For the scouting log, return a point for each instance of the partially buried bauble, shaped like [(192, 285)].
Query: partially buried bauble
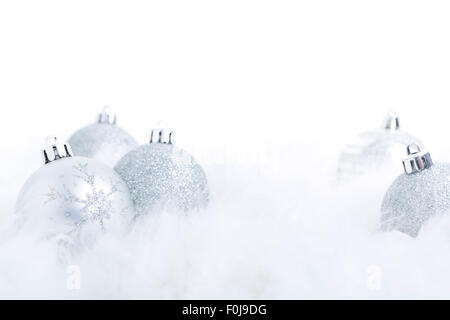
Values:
[(414, 197), (375, 150), (159, 174)]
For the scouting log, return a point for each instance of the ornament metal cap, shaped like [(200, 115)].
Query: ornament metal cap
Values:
[(418, 160), (161, 135), (391, 122), (55, 150), (107, 116)]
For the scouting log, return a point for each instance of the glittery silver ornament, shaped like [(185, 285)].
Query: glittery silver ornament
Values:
[(375, 149), (104, 140), (70, 194), (421, 192), (161, 174)]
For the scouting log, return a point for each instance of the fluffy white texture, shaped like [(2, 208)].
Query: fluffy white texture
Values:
[(288, 233)]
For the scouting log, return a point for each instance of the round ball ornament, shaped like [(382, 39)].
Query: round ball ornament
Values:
[(160, 174), (71, 194), (420, 193), (103, 140), (377, 149)]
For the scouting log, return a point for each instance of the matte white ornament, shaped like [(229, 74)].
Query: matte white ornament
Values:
[(70, 193)]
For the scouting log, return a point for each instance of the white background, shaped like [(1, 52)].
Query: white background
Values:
[(228, 76), (222, 72)]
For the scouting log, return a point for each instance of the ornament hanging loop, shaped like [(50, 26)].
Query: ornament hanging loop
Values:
[(417, 161), (107, 116), (55, 150)]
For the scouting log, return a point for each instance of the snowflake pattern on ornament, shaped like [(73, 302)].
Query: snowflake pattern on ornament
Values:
[(96, 205)]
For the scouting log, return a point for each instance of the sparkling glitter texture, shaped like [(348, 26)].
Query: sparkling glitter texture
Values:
[(102, 141), (162, 174), (412, 199), (376, 149), (71, 194)]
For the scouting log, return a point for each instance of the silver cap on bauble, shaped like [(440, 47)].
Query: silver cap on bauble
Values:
[(417, 160), (162, 135), (391, 122), (55, 150), (107, 116)]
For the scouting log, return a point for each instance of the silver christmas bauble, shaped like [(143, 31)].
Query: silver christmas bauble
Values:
[(160, 174), (375, 149), (103, 141), (420, 193), (70, 194)]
